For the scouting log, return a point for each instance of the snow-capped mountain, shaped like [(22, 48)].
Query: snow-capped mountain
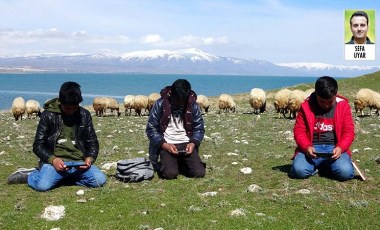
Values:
[(328, 69), (179, 55), (186, 61), (323, 66)]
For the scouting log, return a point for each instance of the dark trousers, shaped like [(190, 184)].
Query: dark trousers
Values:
[(189, 165)]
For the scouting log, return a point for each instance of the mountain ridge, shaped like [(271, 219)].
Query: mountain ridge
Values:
[(184, 61)]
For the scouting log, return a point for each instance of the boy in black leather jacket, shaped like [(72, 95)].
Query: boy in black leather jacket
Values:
[(175, 129), (65, 143)]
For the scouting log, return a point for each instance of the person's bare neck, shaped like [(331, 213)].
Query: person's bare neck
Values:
[(360, 40)]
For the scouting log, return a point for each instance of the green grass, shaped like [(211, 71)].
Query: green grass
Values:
[(179, 204)]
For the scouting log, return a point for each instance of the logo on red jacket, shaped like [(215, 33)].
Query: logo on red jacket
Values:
[(325, 126)]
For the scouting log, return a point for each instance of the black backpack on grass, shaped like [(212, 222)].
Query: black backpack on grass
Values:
[(134, 170)]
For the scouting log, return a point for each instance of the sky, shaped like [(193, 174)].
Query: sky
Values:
[(277, 31)]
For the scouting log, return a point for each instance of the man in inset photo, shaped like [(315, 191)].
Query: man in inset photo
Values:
[(359, 28)]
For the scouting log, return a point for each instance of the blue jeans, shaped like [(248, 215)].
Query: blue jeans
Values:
[(341, 168), (47, 177)]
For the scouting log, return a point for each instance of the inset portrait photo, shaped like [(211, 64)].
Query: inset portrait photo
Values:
[(360, 26), (359, 36)]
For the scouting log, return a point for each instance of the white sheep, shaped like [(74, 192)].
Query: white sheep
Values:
[(367, 98), (33, 106), (296, 98), (18, 108), (257, 100), (128, 104), (203, 102), (226, 103), (281, 100), (140, 103), (152, 98)]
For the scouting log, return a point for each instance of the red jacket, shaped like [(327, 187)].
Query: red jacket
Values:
[(343, 122)]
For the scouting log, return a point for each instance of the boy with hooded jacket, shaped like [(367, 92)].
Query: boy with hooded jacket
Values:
[(324, 131), (65, 136)]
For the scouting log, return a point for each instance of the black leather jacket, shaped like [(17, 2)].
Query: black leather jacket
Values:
[(154, 127), (48, 131)]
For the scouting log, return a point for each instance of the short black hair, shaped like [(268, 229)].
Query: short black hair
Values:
[(326, 87), (359, 14), (181, 89), (70, 93)]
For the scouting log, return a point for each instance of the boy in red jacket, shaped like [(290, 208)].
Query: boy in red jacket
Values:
[(324, 131)]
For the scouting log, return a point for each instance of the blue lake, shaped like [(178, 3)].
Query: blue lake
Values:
[(42, 87)]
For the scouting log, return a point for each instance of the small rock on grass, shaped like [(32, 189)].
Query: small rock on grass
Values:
[(108, 166), (246, 170), (53, 213), (206, 156), (303, 191), (254, 188), (238, 212), (209, 193)]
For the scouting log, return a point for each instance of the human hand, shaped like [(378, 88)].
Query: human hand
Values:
[(310, 152), (190, 148), (337, 151), (58, 164), (170, 148), (88, 163)]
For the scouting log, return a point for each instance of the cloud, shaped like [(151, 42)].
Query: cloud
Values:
[(156, 40), (195, 41), (53, 40), (151, 38), (11, 36), (55, 36)]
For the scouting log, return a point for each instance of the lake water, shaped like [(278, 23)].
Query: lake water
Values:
[(42, 87)]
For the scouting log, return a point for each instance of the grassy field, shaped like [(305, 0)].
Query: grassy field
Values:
[(233, 141)]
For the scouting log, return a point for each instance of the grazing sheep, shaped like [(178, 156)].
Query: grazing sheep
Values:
[(18, 108), (99, 105), (226, 103), (367, 98), (203, 102), (128, 104), (296, 98), (376, 103), (257, 100), (152, 98), (33, 106), (281, 100), (141, 102), (112, 104)]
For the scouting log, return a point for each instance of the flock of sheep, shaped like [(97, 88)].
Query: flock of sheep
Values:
[(285, 101), (19, 108), (141, 104)]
